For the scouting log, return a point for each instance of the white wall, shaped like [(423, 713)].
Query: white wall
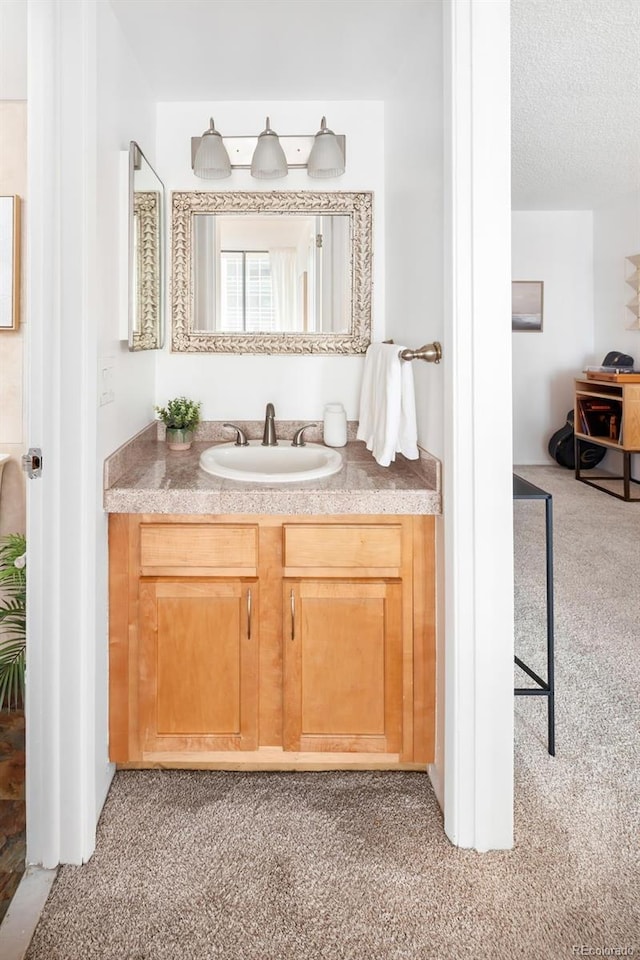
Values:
[(414, 310), (414, 205), (616, 235), (240, 386), (478, 495), (13, 50), (556, 247), (126, 112)]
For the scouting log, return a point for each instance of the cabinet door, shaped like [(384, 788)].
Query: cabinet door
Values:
[(198, 686), (343, 666)]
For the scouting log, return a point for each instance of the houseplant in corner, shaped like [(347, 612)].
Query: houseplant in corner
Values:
[(13, 619), (180, 416)]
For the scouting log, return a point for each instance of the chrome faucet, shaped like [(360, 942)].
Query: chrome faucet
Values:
[(298, 437), (269, 438), (241, 437)]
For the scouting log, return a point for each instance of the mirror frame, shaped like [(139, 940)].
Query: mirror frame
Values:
[(357, 206), (148, 207)]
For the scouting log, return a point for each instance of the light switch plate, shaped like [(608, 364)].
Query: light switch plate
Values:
[(106, 388)]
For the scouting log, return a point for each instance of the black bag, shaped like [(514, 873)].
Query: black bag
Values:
[(620, 360), (562, 448)]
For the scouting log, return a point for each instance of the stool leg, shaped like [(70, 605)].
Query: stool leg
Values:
[(626, 475), (551, 721), (550, 627)]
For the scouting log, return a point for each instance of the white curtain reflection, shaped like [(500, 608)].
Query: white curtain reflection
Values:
[(283, 281), (204, 273), (333, 298)]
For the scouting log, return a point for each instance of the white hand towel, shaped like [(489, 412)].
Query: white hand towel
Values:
[(387, 405)]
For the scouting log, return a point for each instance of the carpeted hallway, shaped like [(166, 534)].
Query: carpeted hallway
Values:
[(261, 866)]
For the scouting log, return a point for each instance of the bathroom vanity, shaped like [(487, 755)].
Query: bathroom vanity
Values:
[(278, 628)]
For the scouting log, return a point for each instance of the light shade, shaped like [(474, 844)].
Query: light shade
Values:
[(268, 161), (211, 161), (326, 158)]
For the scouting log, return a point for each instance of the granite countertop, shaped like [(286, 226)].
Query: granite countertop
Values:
[(144, 476)]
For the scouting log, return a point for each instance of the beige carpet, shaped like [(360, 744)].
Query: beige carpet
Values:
[(355, 865)]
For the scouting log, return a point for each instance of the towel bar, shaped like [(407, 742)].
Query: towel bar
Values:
[(431, 352)]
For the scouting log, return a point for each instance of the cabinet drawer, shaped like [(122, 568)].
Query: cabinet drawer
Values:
[(358, 549), (195, 549)]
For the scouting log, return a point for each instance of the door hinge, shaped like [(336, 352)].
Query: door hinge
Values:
[(32, 462), (318, 240)]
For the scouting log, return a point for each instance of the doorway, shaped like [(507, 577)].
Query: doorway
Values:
[(13, 181)]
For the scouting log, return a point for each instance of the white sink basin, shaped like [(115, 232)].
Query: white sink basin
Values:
[(281, 464)]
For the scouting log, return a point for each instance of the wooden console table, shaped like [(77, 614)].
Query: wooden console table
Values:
[(607, 413)]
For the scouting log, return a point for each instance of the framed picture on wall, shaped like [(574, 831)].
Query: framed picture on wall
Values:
[(9, 263), (526, 305)]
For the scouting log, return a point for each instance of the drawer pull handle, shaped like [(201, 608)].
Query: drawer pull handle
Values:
[(248, 614), (293, 616)]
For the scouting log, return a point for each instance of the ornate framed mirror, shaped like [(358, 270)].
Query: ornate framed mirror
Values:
[(271, 272), (146, 253)]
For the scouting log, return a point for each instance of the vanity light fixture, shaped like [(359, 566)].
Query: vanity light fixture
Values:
[(268, 161), (211, 161), (326, 158), (268, 157)]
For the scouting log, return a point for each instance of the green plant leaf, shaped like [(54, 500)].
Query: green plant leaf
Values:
[(180, 413), (12, 671), (13, 619)]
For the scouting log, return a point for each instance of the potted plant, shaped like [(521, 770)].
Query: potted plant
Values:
[(180, 416), (13, 619)]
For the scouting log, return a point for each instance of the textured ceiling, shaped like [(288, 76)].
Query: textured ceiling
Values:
[(575, 102)]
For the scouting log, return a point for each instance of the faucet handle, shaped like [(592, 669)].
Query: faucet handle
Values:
[(298, 437), (241, 437)]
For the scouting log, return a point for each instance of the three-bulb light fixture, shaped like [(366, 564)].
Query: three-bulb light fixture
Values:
[(271, 157)]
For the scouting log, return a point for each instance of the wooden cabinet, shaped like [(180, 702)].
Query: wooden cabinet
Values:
[(272, 642), (607, 413), (343, 666), (198, 670)]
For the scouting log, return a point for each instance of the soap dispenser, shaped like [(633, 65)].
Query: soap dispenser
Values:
[(335, 425)]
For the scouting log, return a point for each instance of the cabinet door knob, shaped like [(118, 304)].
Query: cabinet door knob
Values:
[(293, 616), (249, 614)]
